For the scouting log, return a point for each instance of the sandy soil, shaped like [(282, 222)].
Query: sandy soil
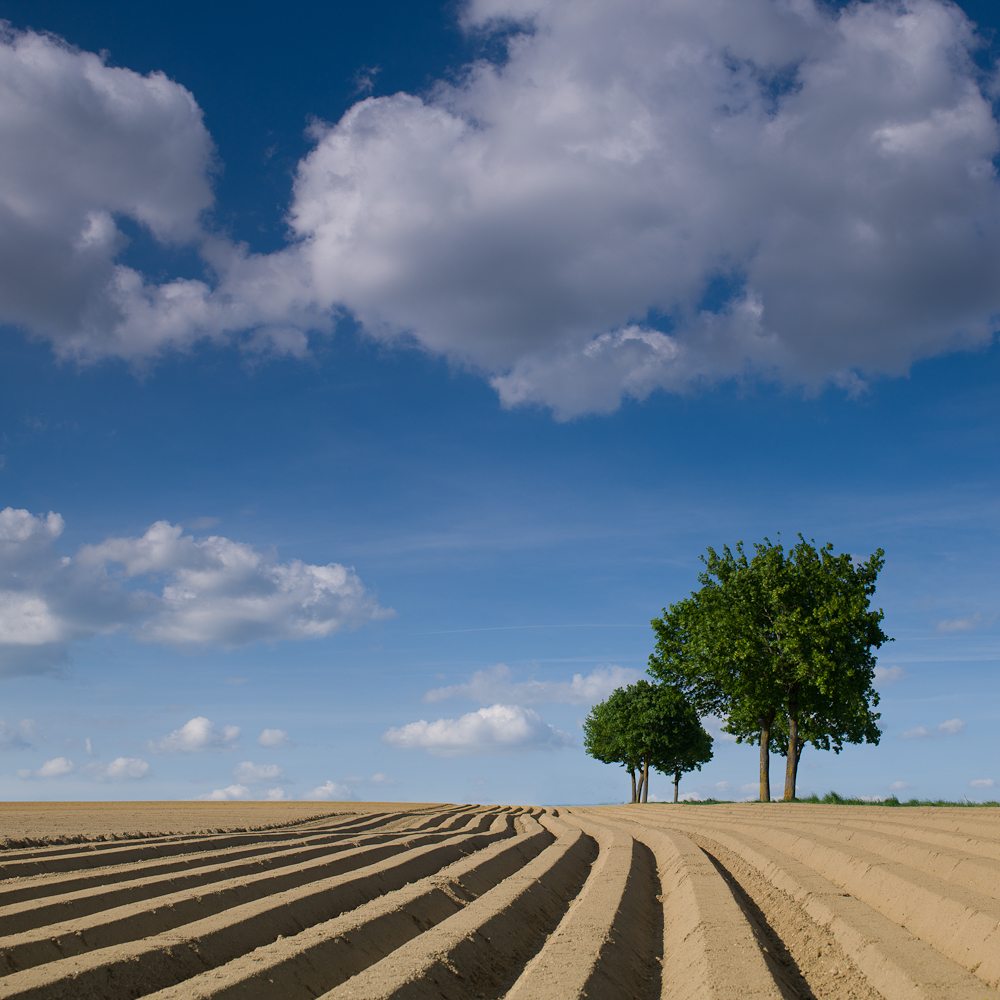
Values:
[(375, 900), (21, 821)]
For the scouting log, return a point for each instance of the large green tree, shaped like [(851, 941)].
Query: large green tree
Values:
[(780, 645), (647, 726)]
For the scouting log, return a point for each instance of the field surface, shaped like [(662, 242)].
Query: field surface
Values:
[(428, 901)]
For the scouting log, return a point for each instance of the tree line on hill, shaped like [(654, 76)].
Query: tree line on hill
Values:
[(779, 645)]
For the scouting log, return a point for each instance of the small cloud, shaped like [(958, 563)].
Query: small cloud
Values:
[(966, 624), (689, 797), (952, 727), (328, 790), (723, 786), (497, 729), (18, 736), (120, 769), (227, 794), (248, 773), (200, 523), (983, 783), (364, 79), (197, 735), (54, 768), (274, 739), (235, 680), (276, 795), (750, 788), (899, 786), (381, 779), (888, 675), (89, 747)]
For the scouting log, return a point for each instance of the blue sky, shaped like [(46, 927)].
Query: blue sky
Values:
[(372, 376)]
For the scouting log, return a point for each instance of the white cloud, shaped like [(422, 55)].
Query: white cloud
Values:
[(497, 729), (197, 735), (276, 795), (382, 779), (802, 191), (120, 769), (494, 685), (201, 591), (226, 794), (18, 736), (274, 739), (966, 624), (888, 675), (329, 790), (983, 783), (898, 786), (54, 768), (952, 727), (247, 773)]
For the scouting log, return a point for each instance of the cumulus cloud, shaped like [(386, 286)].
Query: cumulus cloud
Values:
[(276, 795), (382, 779), (497, 729), (983, 783), (227, 794), (642, 195), (899, 786), (952, 727), (55, 768), (274, 739), (248, 773), (887, 675), (201, 591), (329, 790), (196, 736), (495, 684), (120, 769)]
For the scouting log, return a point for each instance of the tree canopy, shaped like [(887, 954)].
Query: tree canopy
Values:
[(779, 645), (647, 725)]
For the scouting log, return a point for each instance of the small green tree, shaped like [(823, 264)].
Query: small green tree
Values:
[(648, 725), (780, 639)]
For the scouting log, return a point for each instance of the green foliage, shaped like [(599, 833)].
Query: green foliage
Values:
[(647, 725)]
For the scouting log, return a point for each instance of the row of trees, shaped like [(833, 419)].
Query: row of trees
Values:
[(647, 726), (779, 645)]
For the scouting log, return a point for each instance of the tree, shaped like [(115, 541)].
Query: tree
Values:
[(647, 725), (779, 640)]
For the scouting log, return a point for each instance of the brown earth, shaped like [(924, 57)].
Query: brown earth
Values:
[(409, 902), (58, 821)]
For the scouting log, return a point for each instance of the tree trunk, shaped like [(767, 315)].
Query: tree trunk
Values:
[(677, 781), (631, 774), (792, 764), (645, 779), (765, 722), (798, 758), (638, 794)]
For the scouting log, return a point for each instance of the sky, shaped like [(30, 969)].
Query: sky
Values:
[(373, 374)]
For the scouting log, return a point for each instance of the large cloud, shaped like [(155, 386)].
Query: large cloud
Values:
[(497, 729), (203, 591), (780, 186)]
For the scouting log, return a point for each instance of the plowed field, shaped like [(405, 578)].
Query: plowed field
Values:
[(622, 903)]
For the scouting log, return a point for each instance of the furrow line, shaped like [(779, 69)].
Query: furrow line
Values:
[(155, 916), (321, 957), (137, 967), (478, 950)]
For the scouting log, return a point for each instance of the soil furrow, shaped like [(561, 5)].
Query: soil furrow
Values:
[(162, 913), (896, 963), (607, 945), (479, 951), (323, 956), (135, 968)]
